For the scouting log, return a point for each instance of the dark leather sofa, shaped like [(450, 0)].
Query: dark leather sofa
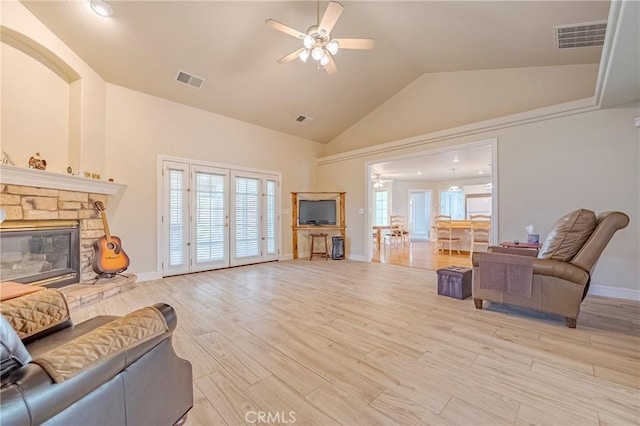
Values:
[(104, 371)]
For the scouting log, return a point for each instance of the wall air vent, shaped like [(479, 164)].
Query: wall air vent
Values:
[(303, 119), (189, 79), (581, 35)]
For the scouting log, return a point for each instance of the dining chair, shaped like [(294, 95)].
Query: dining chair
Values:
[(396, 233), (399, 229), (444, 234), (480, 231)]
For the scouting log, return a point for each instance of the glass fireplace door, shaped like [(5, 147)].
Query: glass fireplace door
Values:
[(39, 255)]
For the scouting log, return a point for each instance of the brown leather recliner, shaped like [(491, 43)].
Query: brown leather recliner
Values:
[(561, 272), (104, 371)]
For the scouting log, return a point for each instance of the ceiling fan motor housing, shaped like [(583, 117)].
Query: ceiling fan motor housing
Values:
[(320, 36)]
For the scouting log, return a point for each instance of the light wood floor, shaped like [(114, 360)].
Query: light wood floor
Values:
[(340, 342), (419, 254)]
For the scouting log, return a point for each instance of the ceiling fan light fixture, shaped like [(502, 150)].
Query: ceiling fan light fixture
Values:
[(304, 55), (333, 47), (101, 8), (308, 41), (376, 182), (317, 40), (317, 53)]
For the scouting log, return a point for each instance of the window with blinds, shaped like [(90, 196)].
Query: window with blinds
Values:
[(452, 204), (209, 217), (247, 217), (176, 219), (271, 217)]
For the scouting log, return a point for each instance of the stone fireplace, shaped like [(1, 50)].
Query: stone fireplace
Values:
[(42, 202)]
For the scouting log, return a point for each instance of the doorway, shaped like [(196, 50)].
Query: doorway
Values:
[(419, 214), (423, 185), (216, 217)]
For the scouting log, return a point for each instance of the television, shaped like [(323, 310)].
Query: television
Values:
[(317, 212)]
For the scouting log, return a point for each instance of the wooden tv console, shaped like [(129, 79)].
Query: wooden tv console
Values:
[(295, 196)]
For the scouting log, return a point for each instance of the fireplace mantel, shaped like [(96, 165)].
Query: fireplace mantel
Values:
[(13, 175)]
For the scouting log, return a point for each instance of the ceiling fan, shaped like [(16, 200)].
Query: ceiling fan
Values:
[(317, 41)]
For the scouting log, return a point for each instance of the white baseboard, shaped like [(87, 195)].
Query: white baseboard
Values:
[(148, 276), (614, 292)]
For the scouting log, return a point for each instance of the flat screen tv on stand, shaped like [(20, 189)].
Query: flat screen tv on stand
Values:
[(317, 212)]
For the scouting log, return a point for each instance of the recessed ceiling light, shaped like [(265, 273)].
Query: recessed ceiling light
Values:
[(419, 173), (456, 159), (101, 8), (481, 172)]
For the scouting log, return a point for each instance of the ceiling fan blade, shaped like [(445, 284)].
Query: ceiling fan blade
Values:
[(330, 68), (330, 17), (355, 43), (285, 29), (290, 57)]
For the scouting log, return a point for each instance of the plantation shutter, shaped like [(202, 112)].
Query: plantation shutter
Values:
[(210, 240), (176, 218), (247, 217), (271, 218)]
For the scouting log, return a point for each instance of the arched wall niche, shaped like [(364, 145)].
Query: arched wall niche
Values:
[(40, 104)]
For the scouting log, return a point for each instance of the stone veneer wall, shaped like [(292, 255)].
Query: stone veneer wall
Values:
[(26, 203)]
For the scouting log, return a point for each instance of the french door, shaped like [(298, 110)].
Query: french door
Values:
[(254, 219), (217, 217)]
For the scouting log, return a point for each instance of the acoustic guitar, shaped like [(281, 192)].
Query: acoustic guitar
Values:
[(110, 258)]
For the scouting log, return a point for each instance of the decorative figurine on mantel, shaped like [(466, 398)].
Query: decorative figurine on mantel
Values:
[(6, 159), (35, 162)]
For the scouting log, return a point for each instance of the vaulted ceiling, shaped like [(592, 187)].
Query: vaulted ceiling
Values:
[(145, 44)]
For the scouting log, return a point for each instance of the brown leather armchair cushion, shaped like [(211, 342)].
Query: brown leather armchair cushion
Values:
[(568, 235)]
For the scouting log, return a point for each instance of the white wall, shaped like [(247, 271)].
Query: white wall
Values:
[(444, 100), (545, 169), (141, 127), (86, 130), (35, 111)]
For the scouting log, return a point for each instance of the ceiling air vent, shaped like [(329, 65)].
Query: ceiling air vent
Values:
[(581, 35), (189, 79), (303, 119)]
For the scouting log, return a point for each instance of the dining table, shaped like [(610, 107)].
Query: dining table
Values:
[(378, 229)]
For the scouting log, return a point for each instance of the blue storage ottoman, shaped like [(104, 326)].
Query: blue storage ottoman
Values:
[(454, 281)]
